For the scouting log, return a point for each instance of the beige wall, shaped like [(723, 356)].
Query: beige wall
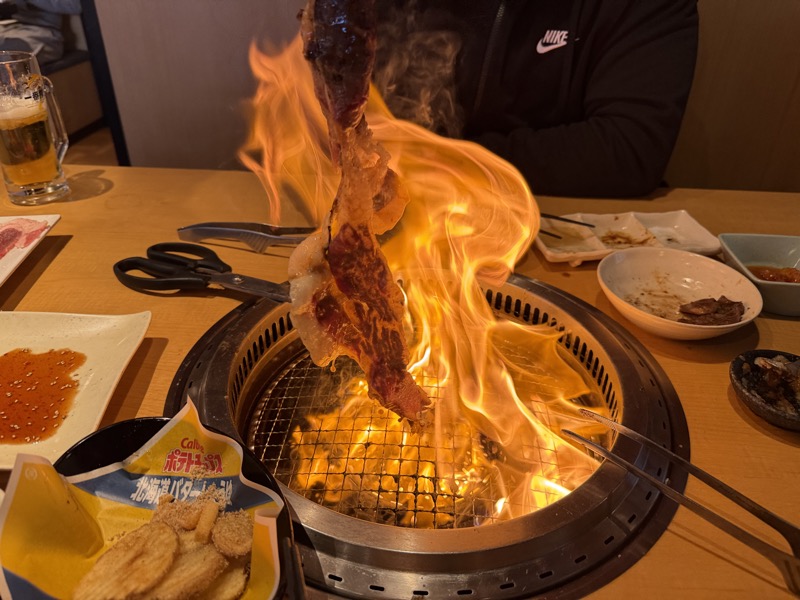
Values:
[(181, 75), (742, 125)]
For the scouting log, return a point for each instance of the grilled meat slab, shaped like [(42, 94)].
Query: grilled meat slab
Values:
[(712, 311), (344, 298), (339, 40)]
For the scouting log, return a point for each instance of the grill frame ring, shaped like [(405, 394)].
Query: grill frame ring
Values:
[(564, 550)]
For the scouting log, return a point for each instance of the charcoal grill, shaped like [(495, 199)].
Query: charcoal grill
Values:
[(251, 377)]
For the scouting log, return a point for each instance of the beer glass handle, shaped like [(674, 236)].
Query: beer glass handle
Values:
[(60, 139)]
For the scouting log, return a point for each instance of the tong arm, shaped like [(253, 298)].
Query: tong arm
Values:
[(787, 564), (258, 236), (789, 531)]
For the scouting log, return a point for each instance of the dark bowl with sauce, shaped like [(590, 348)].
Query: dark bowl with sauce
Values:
[(773, 396), (743, 251)]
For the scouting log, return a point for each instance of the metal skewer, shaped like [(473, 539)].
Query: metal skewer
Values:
[(788, 564)]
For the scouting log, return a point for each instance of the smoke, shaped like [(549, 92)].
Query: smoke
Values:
[(415, 71)]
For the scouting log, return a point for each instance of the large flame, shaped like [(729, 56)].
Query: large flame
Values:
[(504, 389)]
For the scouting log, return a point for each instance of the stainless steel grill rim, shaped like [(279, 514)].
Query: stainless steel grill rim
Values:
[(562, 550)]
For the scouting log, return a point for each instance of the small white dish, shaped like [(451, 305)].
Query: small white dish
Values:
[(648, 285), (618, 231), (678, 229), (743, 250), (15, 248), (107, 341), (674, 229)]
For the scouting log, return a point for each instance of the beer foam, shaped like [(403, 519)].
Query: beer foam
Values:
[(19, 108)]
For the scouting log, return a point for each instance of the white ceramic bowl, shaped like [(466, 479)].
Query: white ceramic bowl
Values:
[(751, 249), (648, 285)]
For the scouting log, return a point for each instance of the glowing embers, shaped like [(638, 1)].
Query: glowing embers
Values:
[(327, 441), (361, 461)]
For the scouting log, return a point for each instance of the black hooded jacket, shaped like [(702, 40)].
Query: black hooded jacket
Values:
[(584, 97)]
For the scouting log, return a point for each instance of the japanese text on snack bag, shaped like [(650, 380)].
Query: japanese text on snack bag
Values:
[(181, 461), (150, 489)]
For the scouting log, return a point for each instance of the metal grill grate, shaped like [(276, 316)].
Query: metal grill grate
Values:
[(367, 466)]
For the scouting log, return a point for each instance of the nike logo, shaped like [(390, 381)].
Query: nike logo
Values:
[(551, 40)]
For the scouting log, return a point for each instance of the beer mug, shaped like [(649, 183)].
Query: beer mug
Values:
[(33, 139)]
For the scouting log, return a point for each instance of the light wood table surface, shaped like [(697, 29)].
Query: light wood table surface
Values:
[(118, 212)]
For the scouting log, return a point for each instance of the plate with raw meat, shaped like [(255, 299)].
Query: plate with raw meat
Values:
[(18, 237)]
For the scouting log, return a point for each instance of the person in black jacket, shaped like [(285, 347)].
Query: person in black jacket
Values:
[(584, 97)]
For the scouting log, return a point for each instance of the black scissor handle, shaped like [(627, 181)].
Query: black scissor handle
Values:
[(189, 256), (164, 276)]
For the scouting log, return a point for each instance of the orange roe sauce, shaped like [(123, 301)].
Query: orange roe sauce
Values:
[(36, 393)]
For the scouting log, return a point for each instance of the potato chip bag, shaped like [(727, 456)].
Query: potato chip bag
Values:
[(54, 528)]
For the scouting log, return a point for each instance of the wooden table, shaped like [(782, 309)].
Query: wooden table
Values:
[(117, 212)]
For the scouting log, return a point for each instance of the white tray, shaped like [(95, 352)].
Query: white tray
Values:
[(108, 341), (675, 229), (25, 245)]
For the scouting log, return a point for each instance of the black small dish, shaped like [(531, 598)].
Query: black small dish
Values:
[(118, 441), (776, 404)]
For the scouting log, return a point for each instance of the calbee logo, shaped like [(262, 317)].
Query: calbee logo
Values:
[(552, 39)]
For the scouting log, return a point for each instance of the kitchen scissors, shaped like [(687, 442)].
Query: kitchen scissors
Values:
[(182, 266)]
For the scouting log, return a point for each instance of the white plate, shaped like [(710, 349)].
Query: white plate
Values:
[(648, 285), (676, 229), (12, 259), (108, 341)]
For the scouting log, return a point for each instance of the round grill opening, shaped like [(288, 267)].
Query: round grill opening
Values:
[(251, 377), (322, 437)]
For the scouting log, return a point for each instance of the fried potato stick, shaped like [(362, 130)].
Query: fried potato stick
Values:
[(209, 511)]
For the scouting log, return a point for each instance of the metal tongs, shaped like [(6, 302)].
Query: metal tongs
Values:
[(258, 236), (295, 580), (788, 564)]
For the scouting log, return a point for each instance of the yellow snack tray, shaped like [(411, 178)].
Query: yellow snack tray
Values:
[(54, 527)]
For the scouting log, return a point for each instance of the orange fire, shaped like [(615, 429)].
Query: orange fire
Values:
[(502, 390)]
